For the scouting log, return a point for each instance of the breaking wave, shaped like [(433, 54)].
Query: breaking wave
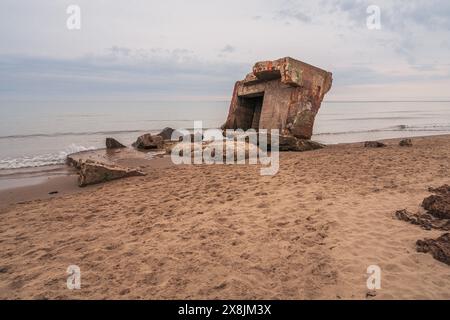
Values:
[(58, 134), (42, 159)]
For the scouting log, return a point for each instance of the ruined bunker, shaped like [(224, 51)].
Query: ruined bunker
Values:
[(284, 94)]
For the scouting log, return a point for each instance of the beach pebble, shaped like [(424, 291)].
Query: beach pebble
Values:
[(374, 144), (405, 143)]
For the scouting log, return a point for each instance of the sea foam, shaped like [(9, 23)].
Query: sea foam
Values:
[(42, 159)]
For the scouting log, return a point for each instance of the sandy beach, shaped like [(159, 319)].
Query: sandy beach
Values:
[(209, 232)]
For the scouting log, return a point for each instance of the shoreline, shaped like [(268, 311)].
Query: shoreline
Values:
[(35, 184), (60, 181)]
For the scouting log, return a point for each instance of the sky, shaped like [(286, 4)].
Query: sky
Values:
[(196, 50)]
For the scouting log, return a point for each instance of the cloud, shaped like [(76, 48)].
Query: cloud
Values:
[(201, 48), (293, 14), (118, 72), (228, 49)]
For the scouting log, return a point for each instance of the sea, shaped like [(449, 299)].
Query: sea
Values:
[(37, 134)]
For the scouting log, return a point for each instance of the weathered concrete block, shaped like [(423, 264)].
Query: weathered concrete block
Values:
[(284, 94), (92, 172)]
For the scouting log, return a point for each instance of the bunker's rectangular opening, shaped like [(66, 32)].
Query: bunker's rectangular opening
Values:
[(251, 110)]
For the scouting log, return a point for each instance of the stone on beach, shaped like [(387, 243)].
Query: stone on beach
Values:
[(439, 248), (424, 220), (284, 94), (240, 150), (112, 143), (148, 141), (166, 133), (437, 215), (92, 172), (290, 143), (405, 143), (438, 205), (236, 150), (374, 144)]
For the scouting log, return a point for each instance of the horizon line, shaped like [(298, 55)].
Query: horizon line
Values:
[(204, 100)]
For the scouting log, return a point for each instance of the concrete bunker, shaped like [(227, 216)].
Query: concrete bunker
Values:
[(283, 94)]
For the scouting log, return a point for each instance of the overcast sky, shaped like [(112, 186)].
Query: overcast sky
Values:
[(144, 49)]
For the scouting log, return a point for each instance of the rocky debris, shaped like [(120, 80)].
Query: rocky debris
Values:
[(211, 148), (92, 172), (437, 211), (436, 217), (439, 248), (424, 220), (405, 143), (112, 143), (290, 143), (250, 150), (148, 141), (166, 133), (445, 189), (283, 94), (438, 205), (73, 161), (374, 144)]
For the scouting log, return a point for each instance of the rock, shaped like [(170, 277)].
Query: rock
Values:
[(112, 143), (166, 133), (53, 192), (147, 141), (4, 269), (438, 205), (250, 150), (413, 218), (290, 143), (437, 215), (374, 144), (445, 189), (405, 143), (71, 161), (92, 172), (424, 220), (198, 149), (439, 248), (284, 94)]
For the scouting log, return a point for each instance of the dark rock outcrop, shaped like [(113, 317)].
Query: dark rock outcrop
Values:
[(166, 133), (374, 144), (438, 205), (437, 217), (445, 189), (437, 211), (92, 172), (439, 248), (424, 220), (405, 143), (112, 143), (290, 143), (148, 141)]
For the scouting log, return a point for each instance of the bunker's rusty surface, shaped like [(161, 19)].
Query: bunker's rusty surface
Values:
[(284, 94)]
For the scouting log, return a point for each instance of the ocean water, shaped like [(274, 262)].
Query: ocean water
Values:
[(35, 134)]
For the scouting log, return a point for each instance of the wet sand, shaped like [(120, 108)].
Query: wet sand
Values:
[(217, 231)]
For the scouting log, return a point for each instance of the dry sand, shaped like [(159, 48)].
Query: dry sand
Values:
[(206, 232)]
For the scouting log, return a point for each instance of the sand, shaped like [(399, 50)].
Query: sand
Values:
[(208, 232)]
